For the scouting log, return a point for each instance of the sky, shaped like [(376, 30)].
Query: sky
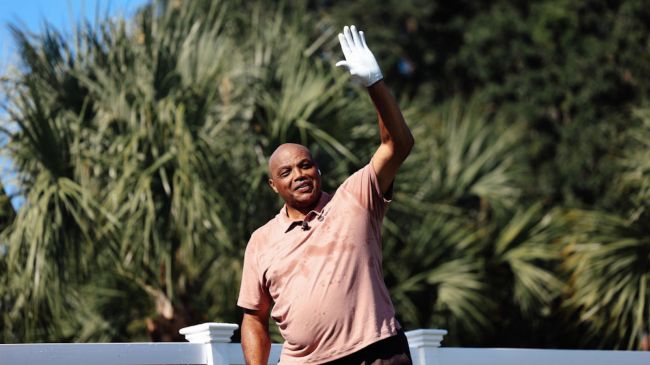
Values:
[(62, 14)]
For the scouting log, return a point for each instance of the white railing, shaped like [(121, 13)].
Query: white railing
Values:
[(209, 344)]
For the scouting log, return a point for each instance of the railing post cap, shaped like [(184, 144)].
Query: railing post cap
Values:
[(210, 332), (425, 337)]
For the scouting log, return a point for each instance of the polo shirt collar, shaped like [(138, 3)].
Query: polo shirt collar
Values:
[(288, 223)]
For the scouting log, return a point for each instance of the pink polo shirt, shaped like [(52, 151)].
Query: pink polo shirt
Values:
[(326, 281)]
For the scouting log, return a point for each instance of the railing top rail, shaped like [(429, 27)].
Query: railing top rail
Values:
[(103, 353), (508, 356), (210, 345)]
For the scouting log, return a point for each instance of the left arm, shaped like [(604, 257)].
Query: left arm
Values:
[(396, 138)]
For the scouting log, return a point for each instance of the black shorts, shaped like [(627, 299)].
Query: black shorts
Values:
[(389, 351)]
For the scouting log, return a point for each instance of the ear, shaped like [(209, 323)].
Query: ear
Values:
[(272, 185)]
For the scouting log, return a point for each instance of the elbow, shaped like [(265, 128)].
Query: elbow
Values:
[(410, 143), (408, 146), (402, 150), (399, 149)]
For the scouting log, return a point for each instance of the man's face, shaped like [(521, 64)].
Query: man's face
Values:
[(294, 175)]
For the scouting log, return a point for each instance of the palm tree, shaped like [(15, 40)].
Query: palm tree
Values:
[(608, 254), (455, 219), (142, 147), (608, 260), (142, 150)]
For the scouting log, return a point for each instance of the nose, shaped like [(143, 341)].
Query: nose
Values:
[(299, 173)]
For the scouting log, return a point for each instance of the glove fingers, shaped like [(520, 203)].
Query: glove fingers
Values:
[(345, 47), (363, 39), (348, 37), (355, 37)]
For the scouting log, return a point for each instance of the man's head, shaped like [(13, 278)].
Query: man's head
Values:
[(294, 175)]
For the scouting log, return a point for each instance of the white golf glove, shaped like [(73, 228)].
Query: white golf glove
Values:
[(358, 59)]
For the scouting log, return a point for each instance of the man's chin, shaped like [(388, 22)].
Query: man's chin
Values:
[(308, 200)]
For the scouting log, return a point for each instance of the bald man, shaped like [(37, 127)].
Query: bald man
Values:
[(316, 267)]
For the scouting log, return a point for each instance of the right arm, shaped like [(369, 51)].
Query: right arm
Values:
[(255, 339), (396, 138)]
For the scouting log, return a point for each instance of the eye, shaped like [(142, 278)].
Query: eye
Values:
[(284, 173)]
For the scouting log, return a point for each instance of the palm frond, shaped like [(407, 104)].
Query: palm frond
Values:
[(607, 259)]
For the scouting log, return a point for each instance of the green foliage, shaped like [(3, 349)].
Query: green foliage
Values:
[(570, 70), (635, 179), (607, 261), (609, 254), (141, 147), (142, 152), (465, 173)]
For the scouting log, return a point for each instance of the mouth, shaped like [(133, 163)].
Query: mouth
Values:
[(303, 187)]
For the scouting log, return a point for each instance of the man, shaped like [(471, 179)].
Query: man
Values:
[(318, 262)]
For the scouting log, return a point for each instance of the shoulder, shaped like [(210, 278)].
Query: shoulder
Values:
[(363, 179), (261, 235), (363, 187), (364, 173)]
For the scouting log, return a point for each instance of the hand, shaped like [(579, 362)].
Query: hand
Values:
[(358, 59)]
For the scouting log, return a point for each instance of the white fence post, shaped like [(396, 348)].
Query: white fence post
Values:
[(424, 346), (215, 338)]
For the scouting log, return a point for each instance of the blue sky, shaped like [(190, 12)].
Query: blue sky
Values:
[(62, 14)]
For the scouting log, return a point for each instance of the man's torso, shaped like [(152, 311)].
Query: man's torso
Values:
[(326, 281)]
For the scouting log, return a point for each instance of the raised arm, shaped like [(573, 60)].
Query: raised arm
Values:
[(255, 339), (396, 138)]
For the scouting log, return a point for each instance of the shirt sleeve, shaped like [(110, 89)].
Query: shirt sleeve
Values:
[(252, 293), (364, 186)]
